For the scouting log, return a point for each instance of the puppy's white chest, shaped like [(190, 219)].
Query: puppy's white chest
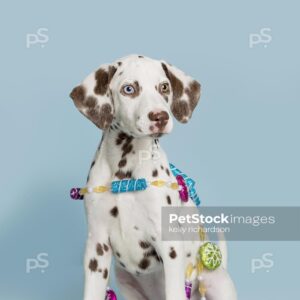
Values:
[(134, 233)]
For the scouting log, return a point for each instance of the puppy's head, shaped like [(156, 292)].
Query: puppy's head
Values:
[(139, 93)]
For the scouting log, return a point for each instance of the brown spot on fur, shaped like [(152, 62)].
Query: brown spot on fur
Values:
[(188, 254), (103, 79), (144, 244), (78, 94), (151, 253), (119, 63), (121, 137), (114, 211), (177, 85), (91, 102), (93, 265), (144, 263), (118, 254), (89, 107), (140, 56), (172, 253), (169, 200), (155, 173), (162, 167), (168, 172), (182, 109), (121, 175), (99, 249), (153, 238), (105, 116), (100, 270), (122, 163), (105, 273), (193, 92), (100, 116), (127, 147), (136, 228), (106, 248)]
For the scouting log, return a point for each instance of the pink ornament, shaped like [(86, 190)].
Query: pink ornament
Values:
[(183, 190), (75, 194), (188, 289), (110, 295)]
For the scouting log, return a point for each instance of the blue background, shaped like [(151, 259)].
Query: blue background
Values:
[(242, 145)]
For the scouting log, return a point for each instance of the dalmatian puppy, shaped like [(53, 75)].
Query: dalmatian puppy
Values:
[(132, 100)]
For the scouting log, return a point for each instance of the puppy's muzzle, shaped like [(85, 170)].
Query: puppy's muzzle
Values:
[(159, 120)]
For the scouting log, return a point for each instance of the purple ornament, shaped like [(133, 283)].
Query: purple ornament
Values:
[(110, 295), (75, 195), (188, 289), (183, 190)]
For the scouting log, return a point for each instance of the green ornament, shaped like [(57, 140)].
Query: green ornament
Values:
[(210, 255)]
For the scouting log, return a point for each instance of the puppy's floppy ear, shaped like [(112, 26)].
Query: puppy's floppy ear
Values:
[(186, 92), (93, 97)]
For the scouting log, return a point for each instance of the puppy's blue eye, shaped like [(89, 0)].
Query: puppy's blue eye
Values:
[(128, 89)]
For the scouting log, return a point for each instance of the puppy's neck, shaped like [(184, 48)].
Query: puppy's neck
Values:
[(120, 156)]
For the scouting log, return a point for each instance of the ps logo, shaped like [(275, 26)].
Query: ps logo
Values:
[(147, 155), (40, 262), (263, 37), (40, 37), (265, 262)]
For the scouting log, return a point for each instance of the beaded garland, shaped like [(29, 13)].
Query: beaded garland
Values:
[(184, 184), (209, 255), (189, 182)]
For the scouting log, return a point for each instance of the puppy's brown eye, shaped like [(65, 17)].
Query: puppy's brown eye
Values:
[(164, 88)]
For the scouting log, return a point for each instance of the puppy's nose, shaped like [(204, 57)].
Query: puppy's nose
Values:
[(160, 120), (161, 116)]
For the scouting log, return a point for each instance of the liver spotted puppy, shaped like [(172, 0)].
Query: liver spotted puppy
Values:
[(132, 100)]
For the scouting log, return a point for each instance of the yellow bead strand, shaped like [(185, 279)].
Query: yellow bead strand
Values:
[(100, 189), (158, 183), (189, 271)]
